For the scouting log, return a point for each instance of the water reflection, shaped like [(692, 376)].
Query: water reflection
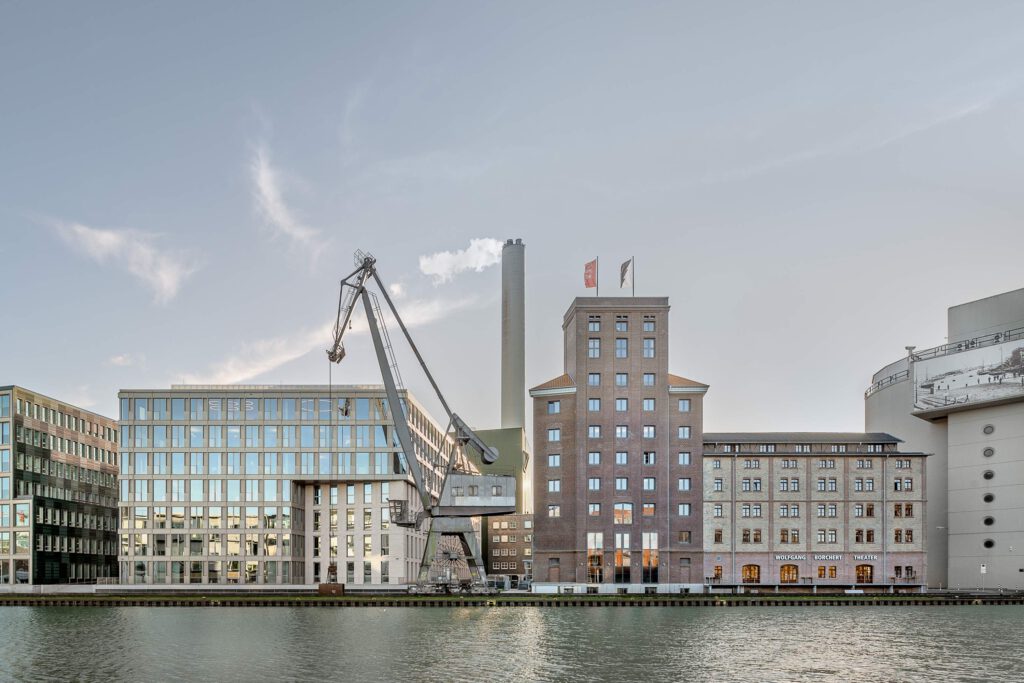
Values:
[(601, 644)]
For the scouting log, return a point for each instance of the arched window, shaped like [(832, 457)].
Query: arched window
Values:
[(789, 573), (751, 573), (865, 573)]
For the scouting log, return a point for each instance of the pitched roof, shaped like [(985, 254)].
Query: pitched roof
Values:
[(677, 381), (800, 437), (563, 381)]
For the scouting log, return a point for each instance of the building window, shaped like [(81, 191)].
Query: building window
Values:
[(684, 432), (684, 405), (838, 448), (554, 407), (621, 457), (648, 405), (554, 460), (594, 509), (649, 483), (623, 513), (621, 379), (684, 510), (554, 511), (718, 485), (685, 483), (554, 435), (594, 324), (593, 348), (621, 347), (647, 509), (648, 347), (684, 458), (649, 457), (594, 458), (594, 484), (766, 448), (648, 379), (594, 405), (718, 535), (594, 379), (594, 431), (621, 432), (621, 323), (621, 483), (716, 464), (648, 431), (717, 510)]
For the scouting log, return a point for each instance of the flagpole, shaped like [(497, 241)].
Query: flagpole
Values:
[(632, 266), (597, 276)]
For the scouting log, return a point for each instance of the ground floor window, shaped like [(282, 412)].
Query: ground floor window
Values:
[(751, 573), (827, 572), (789, 573), (865, 573)]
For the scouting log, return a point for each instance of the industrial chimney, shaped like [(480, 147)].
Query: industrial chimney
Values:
[(513, 335)]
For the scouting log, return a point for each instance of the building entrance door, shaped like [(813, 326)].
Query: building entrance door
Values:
[(865, 573)]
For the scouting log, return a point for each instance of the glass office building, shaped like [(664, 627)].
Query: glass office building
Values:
[(269, 485), (58, 491)]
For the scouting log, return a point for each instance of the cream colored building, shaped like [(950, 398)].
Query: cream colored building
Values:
[(813, 509)]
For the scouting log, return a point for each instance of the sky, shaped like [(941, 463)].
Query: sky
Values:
[(182, 185)]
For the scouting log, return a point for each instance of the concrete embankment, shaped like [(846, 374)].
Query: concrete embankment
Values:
[(272, 600)]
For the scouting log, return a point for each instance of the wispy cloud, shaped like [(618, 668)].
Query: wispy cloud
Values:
[(163, 271), (863, 142), (266, 355), (444, 265), (125, 360), (270, 203)]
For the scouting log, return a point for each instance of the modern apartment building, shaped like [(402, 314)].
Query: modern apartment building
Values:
[(813, 509), (508, 546), (617, 438), (268, 485), (58, 491), (963, 401)]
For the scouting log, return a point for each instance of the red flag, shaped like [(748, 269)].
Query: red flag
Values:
[(590, 274)]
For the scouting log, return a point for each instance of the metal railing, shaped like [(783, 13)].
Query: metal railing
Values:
[(945, 350)]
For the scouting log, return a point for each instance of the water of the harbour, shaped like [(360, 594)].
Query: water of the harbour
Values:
[(531, 644)]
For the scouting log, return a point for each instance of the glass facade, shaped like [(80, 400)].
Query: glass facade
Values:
[(58, 491), (265, 486)]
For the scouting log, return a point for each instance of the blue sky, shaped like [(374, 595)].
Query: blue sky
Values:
[(812, 184)]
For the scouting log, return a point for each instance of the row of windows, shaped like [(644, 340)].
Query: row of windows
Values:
[(622, 513), (512, 524), (57, 418), (231, 490), (826, 484), (621, 432), (621, 347), (214, 517), (861, 464), (622, 484), (34, 437), (621, 458), (255, 464), (513, 538), (198, 545), (621, 379), (822, 536), (796, 448), (621, 405), (621, 323), (253, 436), (51, 543), (253, 409), (56, 469), (383, 548), (46, 490), (510, 552), (350, 519)]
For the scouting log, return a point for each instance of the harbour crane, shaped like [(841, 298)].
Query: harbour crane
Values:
[(463, 494)]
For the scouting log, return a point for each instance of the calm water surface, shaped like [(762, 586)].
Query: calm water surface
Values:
[(556, 644)]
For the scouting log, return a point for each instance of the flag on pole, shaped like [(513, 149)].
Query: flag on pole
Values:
[(590, 274), (626, 274)]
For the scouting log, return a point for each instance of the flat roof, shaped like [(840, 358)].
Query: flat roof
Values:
[(800, 437)]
